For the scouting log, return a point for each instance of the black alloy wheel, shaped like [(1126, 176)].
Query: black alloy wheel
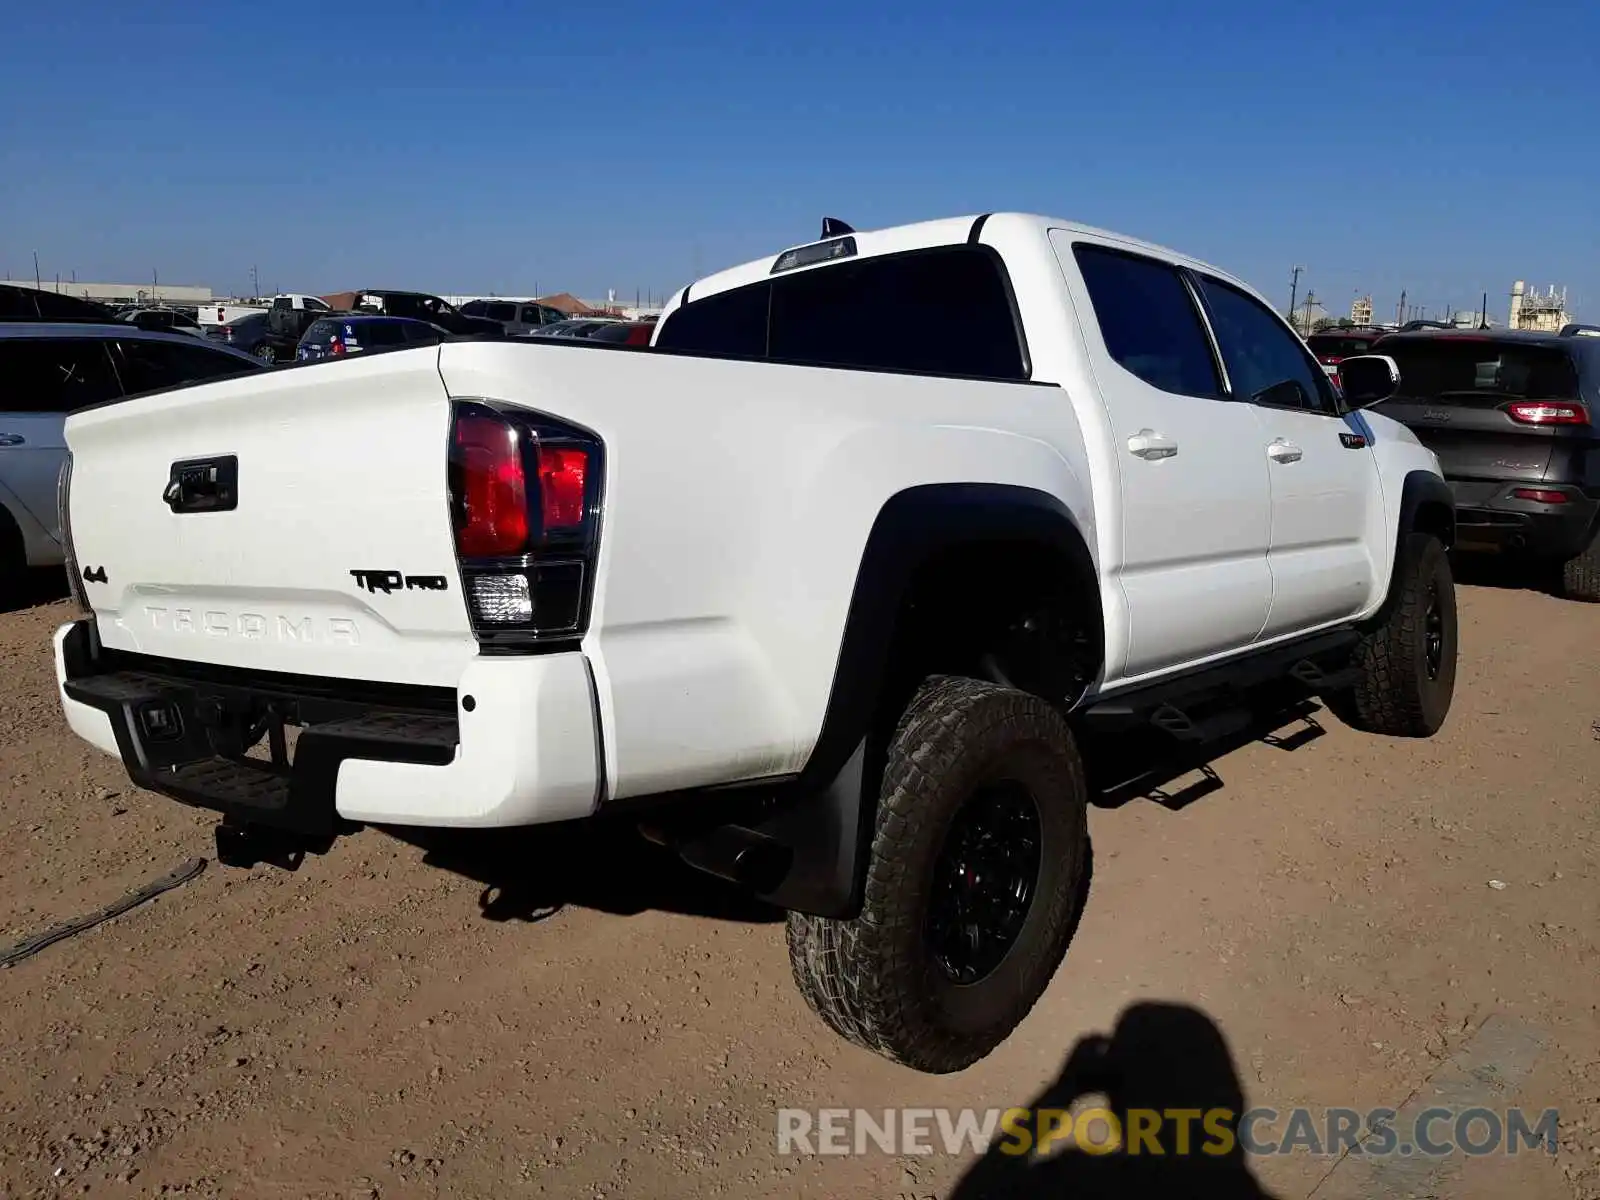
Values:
[(984, 881)]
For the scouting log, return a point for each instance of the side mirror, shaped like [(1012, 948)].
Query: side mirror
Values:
[(1368, 379)]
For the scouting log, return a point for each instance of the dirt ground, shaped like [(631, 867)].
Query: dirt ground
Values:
[(567, 1013)]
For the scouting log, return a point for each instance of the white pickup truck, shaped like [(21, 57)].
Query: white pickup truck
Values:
[(824, 589)]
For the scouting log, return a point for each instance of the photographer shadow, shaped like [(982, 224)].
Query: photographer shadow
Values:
[(1160, 1057)]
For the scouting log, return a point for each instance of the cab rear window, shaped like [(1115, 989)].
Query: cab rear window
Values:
[(888, 313)]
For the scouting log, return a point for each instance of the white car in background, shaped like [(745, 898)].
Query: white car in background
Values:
[(46, 371)]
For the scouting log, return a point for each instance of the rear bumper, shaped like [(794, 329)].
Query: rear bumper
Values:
[(1490, 517), (515, 743)]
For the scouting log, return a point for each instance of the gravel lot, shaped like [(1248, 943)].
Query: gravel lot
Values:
[(566, 1013)]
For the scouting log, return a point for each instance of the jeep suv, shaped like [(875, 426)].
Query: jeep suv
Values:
[(1513, 419)]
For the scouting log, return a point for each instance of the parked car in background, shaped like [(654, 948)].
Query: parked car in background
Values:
[(18, 303), (419, 306), (625, 333), (1335, 345), (251, 333), (288, 319), (1513, 419), (163, 320), (515, 316), (358, 333), (580, 327), (225, 312), (47, 369)]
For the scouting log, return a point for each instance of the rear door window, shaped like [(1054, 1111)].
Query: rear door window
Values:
[(893, 314), (146, 365), (420, 334), (55, 375), (1267, 364), (731, 324), (381, 333), (500, 312), (1148, 320)]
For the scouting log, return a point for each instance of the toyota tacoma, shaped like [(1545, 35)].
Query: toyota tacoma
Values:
[(821, 590)]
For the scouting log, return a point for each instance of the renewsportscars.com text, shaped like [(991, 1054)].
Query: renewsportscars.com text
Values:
[(1215, 1132)]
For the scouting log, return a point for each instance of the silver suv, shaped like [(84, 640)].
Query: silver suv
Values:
[(518, 316), (46, 371)]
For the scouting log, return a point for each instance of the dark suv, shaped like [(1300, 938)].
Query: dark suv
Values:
[(1513, 419), (1333, 346)]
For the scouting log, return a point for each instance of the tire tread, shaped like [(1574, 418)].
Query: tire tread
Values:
[(852, 972)]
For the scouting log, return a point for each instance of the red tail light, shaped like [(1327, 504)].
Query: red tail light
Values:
[(336, 346), (562, 474), (1542, 495), (525, 502), (492, 509), (1548, 412)]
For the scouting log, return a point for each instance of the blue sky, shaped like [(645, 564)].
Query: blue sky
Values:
[(478, 146)]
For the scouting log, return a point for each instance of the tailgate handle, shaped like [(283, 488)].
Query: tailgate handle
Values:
[(200, 485)]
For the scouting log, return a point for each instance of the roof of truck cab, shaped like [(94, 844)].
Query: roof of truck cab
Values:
[(948, 231)]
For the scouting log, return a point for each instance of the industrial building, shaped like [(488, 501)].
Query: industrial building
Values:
[(125, 293), (1540, 312)]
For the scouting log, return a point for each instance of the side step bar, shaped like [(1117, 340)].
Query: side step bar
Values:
[(1208, 702)]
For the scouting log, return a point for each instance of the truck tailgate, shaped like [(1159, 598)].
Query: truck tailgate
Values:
[(334, 556)]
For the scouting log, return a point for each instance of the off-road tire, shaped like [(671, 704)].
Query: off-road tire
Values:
[(1580, 576), (874, 979), (1396, 694)]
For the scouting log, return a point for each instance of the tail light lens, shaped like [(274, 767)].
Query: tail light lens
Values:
[(525, 503), (492, 515), (1548, 412), (336, 346), (1542, 495)]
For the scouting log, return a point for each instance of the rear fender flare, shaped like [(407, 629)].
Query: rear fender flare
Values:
[(826, 814)]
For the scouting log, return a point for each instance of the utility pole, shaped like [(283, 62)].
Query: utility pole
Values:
[(1294, 288), (1305, 323), (1400, 311), (37, 286), (255, 284)]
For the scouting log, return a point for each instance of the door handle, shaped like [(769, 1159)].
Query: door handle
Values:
[(1281, 451), (1150, 445), (12, 439)]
